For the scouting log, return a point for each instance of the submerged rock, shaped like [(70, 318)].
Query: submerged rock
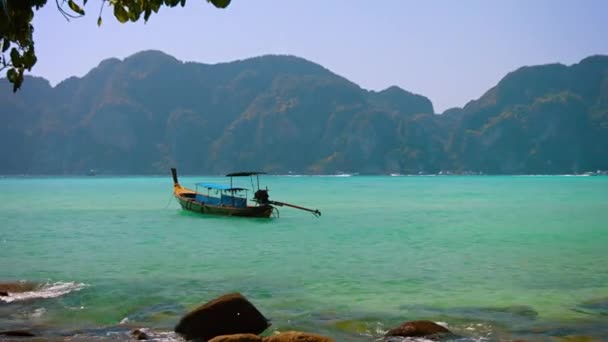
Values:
[(352, 326), (157, 313), (237, 338), (517, 310), (296, 336), (598, 306), (226, 315), (426, 329), (504, 315), (579, 339)]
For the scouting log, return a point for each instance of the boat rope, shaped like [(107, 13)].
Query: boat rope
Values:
[(170, 198)]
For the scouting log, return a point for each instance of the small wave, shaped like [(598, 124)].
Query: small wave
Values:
[(49, 290)]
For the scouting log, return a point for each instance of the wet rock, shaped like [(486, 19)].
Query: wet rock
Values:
[(226, 315), (17, 333), (352, 326), (237, 338), (598, 306), (426, 329), (156, 313), (504, 315), (518, 310), (139, 335), (296, 336), (16, 287), (3, 293)]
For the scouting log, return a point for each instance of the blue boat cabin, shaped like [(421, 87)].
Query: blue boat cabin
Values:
[(224, 195)]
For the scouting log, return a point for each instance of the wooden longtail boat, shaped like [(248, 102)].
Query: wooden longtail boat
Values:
[(226, 200)]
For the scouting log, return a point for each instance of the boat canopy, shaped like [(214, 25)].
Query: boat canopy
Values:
[(245, 174), (222, 187)]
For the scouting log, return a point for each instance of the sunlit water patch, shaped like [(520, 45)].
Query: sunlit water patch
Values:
[(489, 256)]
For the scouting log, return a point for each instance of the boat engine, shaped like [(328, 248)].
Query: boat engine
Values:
[(261, 196)]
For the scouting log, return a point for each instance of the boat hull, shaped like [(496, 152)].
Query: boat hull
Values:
[(190, 204)]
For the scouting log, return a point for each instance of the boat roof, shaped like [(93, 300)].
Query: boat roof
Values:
[(245, 174), (223, 187)]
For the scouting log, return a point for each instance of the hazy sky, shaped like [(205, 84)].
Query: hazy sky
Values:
[(449, 51)]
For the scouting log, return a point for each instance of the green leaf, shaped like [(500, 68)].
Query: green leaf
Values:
[(220, 3), (156, 6), (15, 57), (147, 14), (74, 7), (134, 14), (99, 21), (6, 44), (29, 59), (121, 14), (11, 74), (18, 81)]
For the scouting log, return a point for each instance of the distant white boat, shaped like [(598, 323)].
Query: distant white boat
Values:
[(396, 175)]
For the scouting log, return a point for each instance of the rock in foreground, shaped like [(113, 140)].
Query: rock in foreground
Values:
[(226, 315), (237, 338), (296, 336), (426, 329), (289, 336)]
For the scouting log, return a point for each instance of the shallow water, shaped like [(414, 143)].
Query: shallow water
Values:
[(492, 257)]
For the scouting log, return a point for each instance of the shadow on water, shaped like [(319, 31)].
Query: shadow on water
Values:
[(225, 219)]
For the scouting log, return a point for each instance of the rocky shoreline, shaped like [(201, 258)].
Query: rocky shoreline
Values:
[(233, 318)]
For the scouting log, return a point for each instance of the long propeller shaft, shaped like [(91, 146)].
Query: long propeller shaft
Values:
[(315, 212)]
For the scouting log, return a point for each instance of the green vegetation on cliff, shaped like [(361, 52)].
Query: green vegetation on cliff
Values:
[(150, 111)]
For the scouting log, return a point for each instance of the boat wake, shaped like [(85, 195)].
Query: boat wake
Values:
[(48, 290)]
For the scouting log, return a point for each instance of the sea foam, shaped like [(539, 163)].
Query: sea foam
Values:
[(48, 290)]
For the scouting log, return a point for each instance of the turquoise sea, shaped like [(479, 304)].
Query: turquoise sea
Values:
[(494, 258)]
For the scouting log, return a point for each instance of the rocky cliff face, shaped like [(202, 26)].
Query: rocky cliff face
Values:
[(544, 119), (150, 111)]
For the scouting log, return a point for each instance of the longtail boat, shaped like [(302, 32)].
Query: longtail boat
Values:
[(228, 200)]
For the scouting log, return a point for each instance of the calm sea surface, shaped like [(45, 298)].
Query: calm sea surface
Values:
[(492, 257)]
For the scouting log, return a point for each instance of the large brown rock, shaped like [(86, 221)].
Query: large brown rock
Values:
[(296, 336), (419, 329), (17, 287), (237, 338), (226, 315)]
